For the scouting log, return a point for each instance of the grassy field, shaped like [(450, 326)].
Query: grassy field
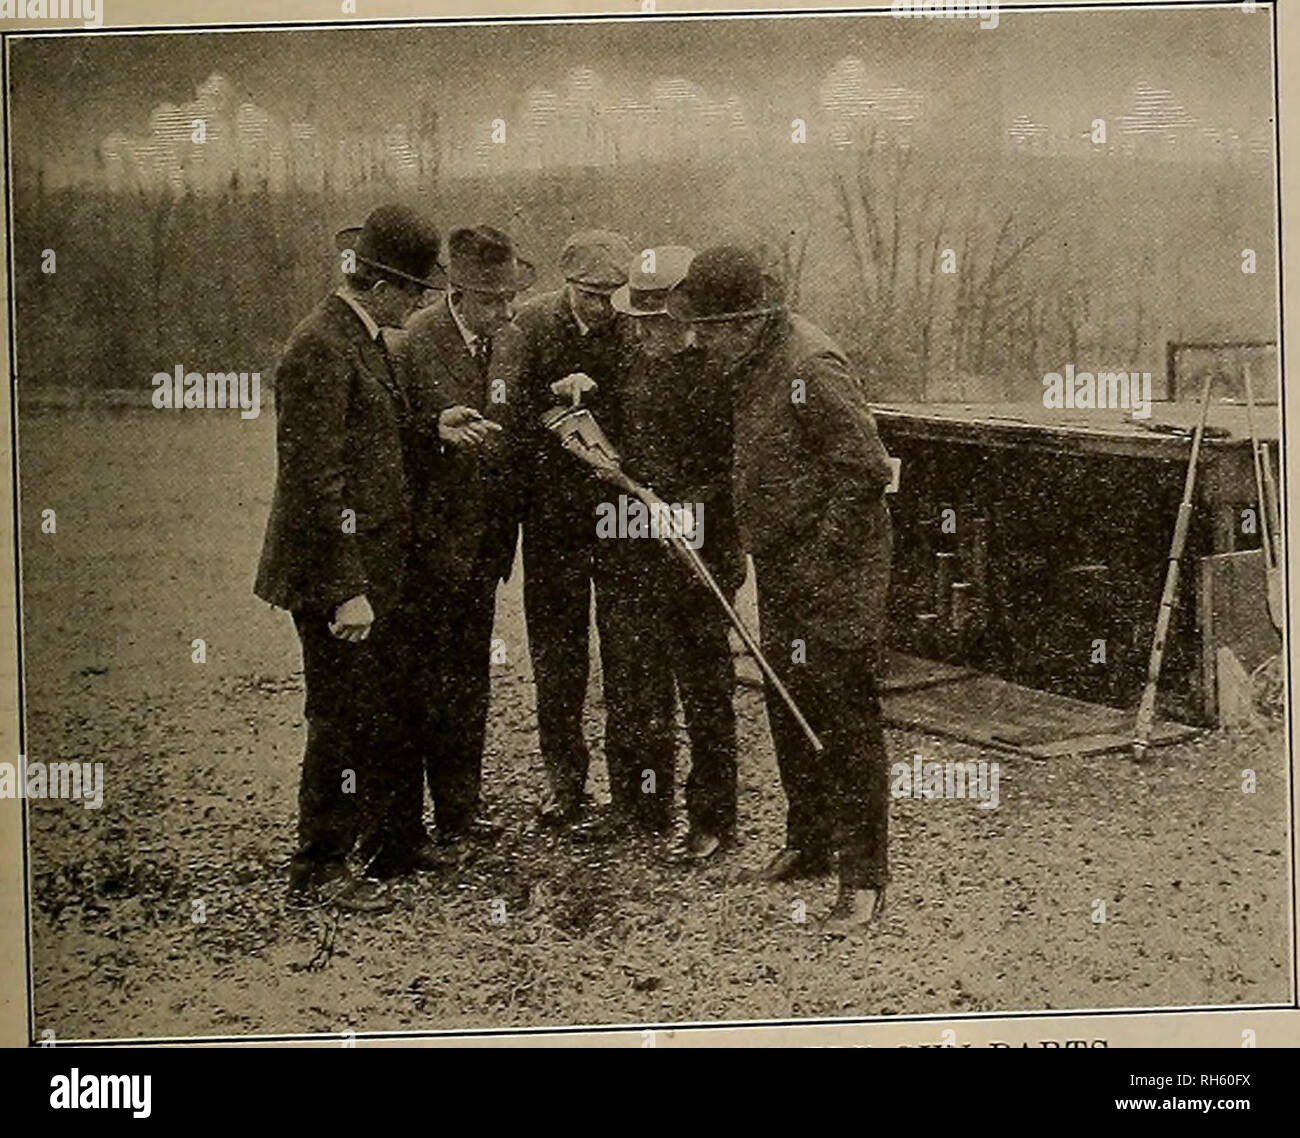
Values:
[(159, 520)]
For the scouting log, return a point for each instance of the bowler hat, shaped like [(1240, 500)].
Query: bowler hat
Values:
[(725, 282), (484, 260), (397, 243), (596, 260), (647, 288)]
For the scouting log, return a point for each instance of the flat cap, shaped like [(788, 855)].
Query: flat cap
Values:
[(650, 276), (596, 260)]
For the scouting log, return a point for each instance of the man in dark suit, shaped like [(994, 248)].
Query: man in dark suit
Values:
[(465, 534), (672, 428), (809, 476), (336, 541), (563, 346)]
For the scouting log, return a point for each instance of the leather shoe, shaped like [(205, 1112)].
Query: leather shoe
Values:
[(794, 864), (855, 909), (360, 895), (425, 857), (477, 829), (419, 856), (306, 879), (345, 891), (703, 844), (603, 824), (557, 815)]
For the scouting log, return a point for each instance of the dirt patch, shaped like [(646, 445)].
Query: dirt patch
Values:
[(163, 913)]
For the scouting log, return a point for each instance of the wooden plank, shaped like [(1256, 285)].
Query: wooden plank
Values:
[(1084, 431), (1232, 612), (990, 712), (912, 673), (1229, 416), (1034, 437), (1163, 734)]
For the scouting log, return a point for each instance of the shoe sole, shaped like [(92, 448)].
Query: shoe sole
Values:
[(830, 927)]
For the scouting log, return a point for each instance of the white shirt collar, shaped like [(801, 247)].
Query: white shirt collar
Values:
[(472, 339), (372, 329)]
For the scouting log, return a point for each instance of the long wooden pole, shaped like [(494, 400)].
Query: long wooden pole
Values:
[(1147, 709), (1262, 501), (1272, 503)]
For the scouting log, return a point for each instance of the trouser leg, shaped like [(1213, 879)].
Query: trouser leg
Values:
[(459, 723), (839, 799), (706, 682), (855, 743), (809, 823), (325, 825), (557, 600), (351, 728), (637, 688), (396, 824)]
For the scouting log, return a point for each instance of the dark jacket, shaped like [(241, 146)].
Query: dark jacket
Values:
[(464, 516), (541, 345), (339, 415), (809, 478), (672, 426)]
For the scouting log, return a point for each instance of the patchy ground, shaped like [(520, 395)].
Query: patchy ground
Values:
[(159, 522)]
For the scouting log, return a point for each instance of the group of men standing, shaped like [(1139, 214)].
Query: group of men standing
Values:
[(412, 453)]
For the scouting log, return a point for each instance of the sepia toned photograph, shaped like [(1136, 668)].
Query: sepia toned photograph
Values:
[(649, 521)]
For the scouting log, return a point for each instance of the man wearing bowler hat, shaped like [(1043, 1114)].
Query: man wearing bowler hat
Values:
[(809, 475), (465, 527), (672, 428), (336, 542), (563, 347)]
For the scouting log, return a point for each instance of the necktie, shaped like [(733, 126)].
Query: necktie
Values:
[(395, 380)]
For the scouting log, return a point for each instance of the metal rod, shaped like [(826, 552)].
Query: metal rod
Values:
[(581, 436), (677, 543)]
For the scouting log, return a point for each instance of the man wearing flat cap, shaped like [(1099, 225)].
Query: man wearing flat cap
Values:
[(809, 476), (336, 543), (658, 624), (563, 347), (465, 528)]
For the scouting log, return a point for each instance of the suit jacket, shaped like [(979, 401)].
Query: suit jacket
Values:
[(809, 476), (543, 344), (673, 428), (465, 521), (339, 414)]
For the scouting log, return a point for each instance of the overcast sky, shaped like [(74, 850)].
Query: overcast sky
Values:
[(71, 91)]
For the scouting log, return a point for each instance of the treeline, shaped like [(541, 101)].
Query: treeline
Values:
[(943, 282)]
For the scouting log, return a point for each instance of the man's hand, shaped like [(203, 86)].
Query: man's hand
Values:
[(464, 427), (573, 386), (352, 620)]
